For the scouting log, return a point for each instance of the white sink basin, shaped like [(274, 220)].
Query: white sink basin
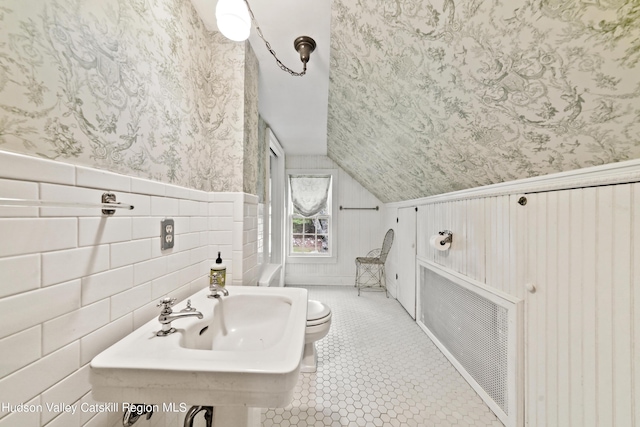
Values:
[(241, 323), (246, 351)]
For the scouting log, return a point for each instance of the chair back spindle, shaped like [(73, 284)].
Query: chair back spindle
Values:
[(370, 269)]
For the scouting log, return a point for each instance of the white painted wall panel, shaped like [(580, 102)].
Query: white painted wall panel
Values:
[(461, 245), (389, 216), (582, 325), (588, 314), (483, 244), (475, 266), (575, 306), (635, 298), (405, 236), (564, 217), (359, 231), (519, 224), (580, 322), (604, 303), (622, 308)]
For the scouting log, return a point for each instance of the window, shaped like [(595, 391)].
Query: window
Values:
[(311, 214), (310, 235)]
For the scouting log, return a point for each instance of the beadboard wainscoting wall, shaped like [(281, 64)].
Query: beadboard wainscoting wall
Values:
[(389, 219), (358, 231), (567, 246), (73, 282)]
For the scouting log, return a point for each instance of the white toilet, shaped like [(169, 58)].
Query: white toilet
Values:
[(318, 323)]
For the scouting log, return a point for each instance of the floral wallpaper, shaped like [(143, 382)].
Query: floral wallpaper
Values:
[(428, 97), (263, 160), (138, 87), (251, 144)]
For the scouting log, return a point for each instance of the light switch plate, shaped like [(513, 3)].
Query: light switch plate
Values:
[(167, 230)]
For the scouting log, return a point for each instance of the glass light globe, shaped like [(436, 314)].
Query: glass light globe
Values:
[(233, 19)]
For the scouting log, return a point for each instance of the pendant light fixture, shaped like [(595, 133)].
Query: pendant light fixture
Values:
[(234, 19)]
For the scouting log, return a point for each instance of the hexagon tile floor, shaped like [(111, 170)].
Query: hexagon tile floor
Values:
[(376, 367)]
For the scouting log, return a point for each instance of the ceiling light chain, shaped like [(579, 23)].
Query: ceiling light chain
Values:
[(307, 40)]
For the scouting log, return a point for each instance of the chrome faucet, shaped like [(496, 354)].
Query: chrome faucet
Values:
[(167, 315), (215, 288)]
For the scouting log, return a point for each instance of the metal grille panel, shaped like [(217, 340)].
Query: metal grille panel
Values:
[(472, 328)]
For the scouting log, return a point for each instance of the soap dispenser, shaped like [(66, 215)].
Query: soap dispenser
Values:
[(218, 273)]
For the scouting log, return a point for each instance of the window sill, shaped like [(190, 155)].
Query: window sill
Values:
[(312, 259)]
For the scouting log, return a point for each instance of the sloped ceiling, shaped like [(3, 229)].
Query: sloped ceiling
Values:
[(432, 97)]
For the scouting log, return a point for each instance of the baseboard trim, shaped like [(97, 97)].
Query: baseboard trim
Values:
[(319, 280)]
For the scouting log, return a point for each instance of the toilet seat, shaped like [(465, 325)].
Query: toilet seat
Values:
[(318, 321), (317, 313), (318, 324)]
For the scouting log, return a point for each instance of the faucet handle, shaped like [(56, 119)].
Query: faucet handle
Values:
[(188, 308), (167, 303)]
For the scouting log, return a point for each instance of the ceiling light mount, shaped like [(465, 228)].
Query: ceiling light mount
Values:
[(304, 45)]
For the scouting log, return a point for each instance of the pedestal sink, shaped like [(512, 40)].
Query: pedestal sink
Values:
[(245, 352)]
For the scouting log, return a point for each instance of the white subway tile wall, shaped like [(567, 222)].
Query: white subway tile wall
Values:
[(33, 235), (70, 389), (15, 190), (104, 180), (37, 377), (96, 231), (93, 343), (29, 339), (26, 418), (20, 167), (60, 266), (73, 281), (31, 308), (19, 274), (72, 326)]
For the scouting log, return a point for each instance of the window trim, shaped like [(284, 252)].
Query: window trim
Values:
[(332, 257)]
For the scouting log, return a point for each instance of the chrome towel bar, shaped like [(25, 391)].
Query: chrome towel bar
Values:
[(108, 205), (361, 209)]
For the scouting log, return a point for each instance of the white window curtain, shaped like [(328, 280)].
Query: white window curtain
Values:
[(309, 193)]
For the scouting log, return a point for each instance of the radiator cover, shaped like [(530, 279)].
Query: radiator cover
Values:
[(478, 329)]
